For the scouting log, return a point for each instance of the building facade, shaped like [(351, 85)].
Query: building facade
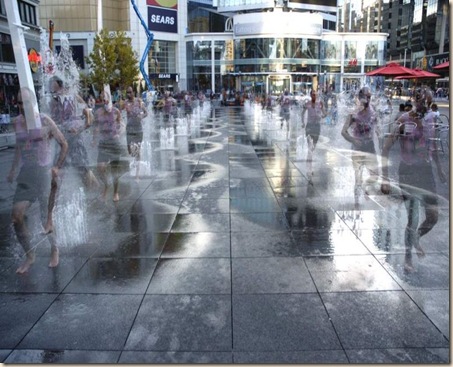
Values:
[(215, 44), (419, 30), (9, 81)]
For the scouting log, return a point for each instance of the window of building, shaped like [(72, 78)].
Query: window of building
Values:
[(27, 13), (162, 57), (331, 50), (6, 48)]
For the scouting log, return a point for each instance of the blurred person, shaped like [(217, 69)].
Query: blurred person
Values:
[(359, 129), (110, 128), (33, 152), (73, 116), (314, 109), (415, 176), (285, 105), (72, 120), (135, 111)]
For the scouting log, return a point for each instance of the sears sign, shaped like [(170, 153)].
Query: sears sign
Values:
[(162, 20)]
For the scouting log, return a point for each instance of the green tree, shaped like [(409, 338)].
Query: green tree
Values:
[(112, 60)]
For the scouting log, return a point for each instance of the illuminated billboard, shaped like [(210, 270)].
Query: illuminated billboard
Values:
[(163, 15)]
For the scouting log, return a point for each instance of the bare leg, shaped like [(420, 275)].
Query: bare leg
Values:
[(137, 159), (411, 237), (23, 236), (116, 179), (90, 179), (48, 227), (432, 216), (102, 167), (371, 164), (54, 257), (51, 236), (310, 148)]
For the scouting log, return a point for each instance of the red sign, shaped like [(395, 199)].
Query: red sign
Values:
[(170, 4), (352, 62), (34, 58)]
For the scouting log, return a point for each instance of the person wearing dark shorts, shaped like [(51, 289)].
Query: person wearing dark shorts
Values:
[(359, 129), (315, 112), (415, 175), (109, 127), (33, 152), (136, 111)]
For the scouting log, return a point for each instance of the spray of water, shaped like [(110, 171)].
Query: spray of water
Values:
[(69, 212)]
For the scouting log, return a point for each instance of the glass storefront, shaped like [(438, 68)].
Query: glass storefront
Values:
[(162, 64), (273, 65)]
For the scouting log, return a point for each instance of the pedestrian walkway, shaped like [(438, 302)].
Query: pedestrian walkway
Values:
[(228, 253)]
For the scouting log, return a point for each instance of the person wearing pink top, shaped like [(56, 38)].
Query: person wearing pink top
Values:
[(109, 127), (359, 129), (33, 155), (314, 109), (136, 111), (415, 173)]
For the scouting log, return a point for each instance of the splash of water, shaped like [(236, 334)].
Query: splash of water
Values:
[(70, 210), (70, 219), (167, 138)]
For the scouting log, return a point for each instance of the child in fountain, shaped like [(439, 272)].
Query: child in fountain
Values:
[(109, 125), (136, 111), (33, 150), (315, 113), (63, 110), (418, 152), (363, 124)]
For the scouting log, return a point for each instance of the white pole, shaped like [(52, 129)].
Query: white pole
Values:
[(23, 66), (100, 25), (212, 66), (405, 50)]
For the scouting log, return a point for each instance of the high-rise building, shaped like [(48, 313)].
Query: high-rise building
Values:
[(418, 29), (211, 44)]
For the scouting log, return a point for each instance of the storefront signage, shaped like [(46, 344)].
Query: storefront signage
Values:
[(162, 19), (171, 4), (34, 58), (170, 76)]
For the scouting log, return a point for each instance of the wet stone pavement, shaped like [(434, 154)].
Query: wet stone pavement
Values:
[(227, 253)]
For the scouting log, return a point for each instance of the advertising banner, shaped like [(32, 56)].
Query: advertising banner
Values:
[(163, 15)]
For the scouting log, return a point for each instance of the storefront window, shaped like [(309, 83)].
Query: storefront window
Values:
[(371, 51), (202, 50), (350, 50), (6, 48), (331, 50), (162, 57)]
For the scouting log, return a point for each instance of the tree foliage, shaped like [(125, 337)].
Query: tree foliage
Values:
[(112, 60)]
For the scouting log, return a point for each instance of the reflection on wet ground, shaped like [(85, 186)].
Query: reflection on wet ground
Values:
[(229, 252)]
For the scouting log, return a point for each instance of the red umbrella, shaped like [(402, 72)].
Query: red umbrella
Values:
[(392, 69), (444, 65), (419, 74)]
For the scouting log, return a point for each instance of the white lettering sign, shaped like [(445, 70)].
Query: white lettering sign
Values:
[(162, 19)]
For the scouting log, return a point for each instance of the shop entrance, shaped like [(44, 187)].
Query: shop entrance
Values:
[(277, 84)]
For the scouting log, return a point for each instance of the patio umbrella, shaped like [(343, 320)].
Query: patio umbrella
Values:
[(444, 65), (419, 74), (392, 69)]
